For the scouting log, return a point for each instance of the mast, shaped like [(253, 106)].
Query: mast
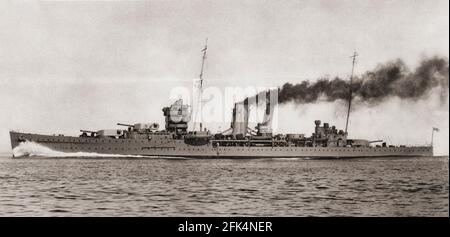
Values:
[(433, 129), (432, 135), (355, 54), (203, 62), (201, 84)]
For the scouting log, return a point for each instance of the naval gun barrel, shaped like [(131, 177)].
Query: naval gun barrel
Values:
[(126, 125), (375, 141), (87, 131)]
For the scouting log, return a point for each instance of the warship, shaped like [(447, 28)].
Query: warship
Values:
[(239, 141)]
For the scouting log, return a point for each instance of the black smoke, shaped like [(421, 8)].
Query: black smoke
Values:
[(392, 79)]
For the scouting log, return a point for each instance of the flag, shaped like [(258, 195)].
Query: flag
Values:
[(436, 129)]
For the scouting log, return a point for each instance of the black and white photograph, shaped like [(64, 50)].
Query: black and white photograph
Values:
[(202, 108)]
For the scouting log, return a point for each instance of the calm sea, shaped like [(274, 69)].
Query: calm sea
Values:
[(93, 186)]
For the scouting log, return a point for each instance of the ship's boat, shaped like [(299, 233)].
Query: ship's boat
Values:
[(197, 138)]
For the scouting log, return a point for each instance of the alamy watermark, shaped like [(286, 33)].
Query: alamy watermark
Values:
[(216, 105)]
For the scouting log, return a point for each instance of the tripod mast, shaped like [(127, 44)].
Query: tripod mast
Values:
[(201, 84), (355, 54)]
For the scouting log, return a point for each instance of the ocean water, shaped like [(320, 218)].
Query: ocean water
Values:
[(137, 186)]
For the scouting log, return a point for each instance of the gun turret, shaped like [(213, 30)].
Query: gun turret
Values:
[(126, 125), (87, 131)]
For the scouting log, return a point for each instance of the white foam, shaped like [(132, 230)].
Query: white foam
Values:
[(29, 148)]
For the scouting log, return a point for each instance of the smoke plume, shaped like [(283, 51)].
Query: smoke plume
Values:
[(392, 79)]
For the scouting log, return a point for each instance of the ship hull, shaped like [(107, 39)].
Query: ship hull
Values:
[(177, 148)]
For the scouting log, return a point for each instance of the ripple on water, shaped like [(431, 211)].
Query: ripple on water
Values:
[(322, 187), (158, 187), (58, 210)]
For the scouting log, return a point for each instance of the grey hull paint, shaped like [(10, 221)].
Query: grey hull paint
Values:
[(168, 147)]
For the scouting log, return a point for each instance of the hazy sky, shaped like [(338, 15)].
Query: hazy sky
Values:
[(69, 65)]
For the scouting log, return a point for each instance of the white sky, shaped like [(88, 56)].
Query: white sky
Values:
[(69, 65)]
